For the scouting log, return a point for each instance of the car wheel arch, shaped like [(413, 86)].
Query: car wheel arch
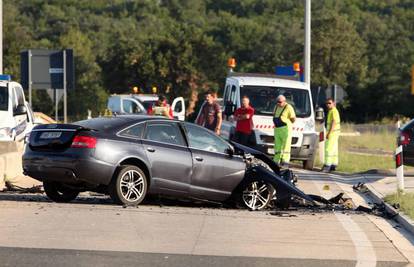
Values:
[(135, 162)]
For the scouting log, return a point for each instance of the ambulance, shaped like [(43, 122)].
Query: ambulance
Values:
[(262, 90)]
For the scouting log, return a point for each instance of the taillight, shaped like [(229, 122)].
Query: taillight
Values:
[(81, 141), (405, 138)]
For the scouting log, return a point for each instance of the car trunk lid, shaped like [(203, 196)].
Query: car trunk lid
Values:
[(54, 137)]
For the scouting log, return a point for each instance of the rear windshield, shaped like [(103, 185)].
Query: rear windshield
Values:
[(102, 124), (4, 98)]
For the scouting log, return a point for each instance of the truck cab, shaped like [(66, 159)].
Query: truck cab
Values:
[(262, 90)]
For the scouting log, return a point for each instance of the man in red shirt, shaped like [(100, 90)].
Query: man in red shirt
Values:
[(244, 125)]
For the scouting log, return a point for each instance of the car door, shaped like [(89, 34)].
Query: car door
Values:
[(20, 119), (215, 172), (169, 157), (178, 107)]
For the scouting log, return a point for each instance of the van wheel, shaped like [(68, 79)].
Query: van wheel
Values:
[(59, 193), (309, 164), (128, 186)]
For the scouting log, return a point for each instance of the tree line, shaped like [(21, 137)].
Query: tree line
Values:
[(181, 47)]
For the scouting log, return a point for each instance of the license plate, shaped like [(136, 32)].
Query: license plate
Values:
[(50, 135), (270, 151)]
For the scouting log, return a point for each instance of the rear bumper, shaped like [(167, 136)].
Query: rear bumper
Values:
[(70, 168)]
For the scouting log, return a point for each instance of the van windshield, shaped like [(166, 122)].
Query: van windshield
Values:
[(263, 99), (4, 98)]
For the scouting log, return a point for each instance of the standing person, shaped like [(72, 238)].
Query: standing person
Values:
[(333, 128), (244, 125), (283, 118), (210, 115), (161, 108)]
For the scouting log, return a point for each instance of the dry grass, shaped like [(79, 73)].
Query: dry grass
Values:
[(370, 150)]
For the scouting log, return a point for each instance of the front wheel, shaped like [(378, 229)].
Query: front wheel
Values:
[(256, 194), (59, 193), (309, 163), (129, 186)]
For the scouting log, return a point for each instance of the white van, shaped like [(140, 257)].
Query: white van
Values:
[(140, 103), (15, 117), (262, 90)]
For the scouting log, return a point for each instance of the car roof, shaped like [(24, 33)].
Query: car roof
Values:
[(140, 97)]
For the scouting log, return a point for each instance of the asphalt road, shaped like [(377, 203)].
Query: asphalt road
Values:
[(92, 231)]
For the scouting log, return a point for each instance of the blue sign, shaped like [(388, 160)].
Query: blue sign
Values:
[(5, 77), (285, 71)]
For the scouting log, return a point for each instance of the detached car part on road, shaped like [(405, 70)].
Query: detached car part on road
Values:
[(130, 157)]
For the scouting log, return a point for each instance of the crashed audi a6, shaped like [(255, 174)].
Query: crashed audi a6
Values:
[(130, 157)]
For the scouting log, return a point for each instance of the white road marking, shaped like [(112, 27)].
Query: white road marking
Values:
[(365, 253)]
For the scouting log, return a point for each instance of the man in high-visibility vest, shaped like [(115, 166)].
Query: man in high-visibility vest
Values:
[(283, 118), (333, 127)]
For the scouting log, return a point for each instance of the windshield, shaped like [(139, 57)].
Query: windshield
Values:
[(4, 98), (263, 99)]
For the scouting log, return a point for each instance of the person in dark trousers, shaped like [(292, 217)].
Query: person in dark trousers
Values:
[(210, 115), (244, 125)]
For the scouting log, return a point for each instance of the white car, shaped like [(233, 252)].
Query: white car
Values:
[(16, 118), (140, 103)]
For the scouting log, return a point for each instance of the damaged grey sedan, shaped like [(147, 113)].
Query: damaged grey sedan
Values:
[(131, 157)]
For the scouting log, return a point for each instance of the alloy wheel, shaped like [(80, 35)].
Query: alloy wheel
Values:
[(132, 185), (257, 195)]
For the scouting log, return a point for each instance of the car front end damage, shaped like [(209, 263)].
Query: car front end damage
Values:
[(263, 175)]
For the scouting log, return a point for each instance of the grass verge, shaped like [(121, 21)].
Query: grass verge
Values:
[(406, 202)]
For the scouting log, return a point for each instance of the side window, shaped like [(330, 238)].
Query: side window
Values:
[(114, 104), (178, 107), (134, 131), (226, 93), (168, 133), (203, 139), (130, 106), (20, 95)]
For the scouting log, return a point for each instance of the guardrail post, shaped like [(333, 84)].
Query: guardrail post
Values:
[(399, 164)]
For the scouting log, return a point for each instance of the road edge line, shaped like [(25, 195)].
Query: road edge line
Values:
[(398, 216)]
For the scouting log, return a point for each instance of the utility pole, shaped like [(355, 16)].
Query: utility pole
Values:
[(307, 52)]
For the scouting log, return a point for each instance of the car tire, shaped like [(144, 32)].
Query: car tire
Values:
[(59, 193), (256, 194), (128, 186)]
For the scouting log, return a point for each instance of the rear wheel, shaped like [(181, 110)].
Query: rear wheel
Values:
[(129, 186), (59, 193), (256, 194)]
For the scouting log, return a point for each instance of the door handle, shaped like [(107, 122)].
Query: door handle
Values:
[(150, 149), (199, 158)]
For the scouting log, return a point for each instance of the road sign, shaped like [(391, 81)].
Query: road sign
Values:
[(51, 70), (44, 69)]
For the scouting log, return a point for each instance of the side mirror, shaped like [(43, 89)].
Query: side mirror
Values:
[(230, 151), (20, 110), (320, 115)]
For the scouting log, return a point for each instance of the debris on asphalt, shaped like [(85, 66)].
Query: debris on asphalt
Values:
[(360, 187), (15, 188)]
